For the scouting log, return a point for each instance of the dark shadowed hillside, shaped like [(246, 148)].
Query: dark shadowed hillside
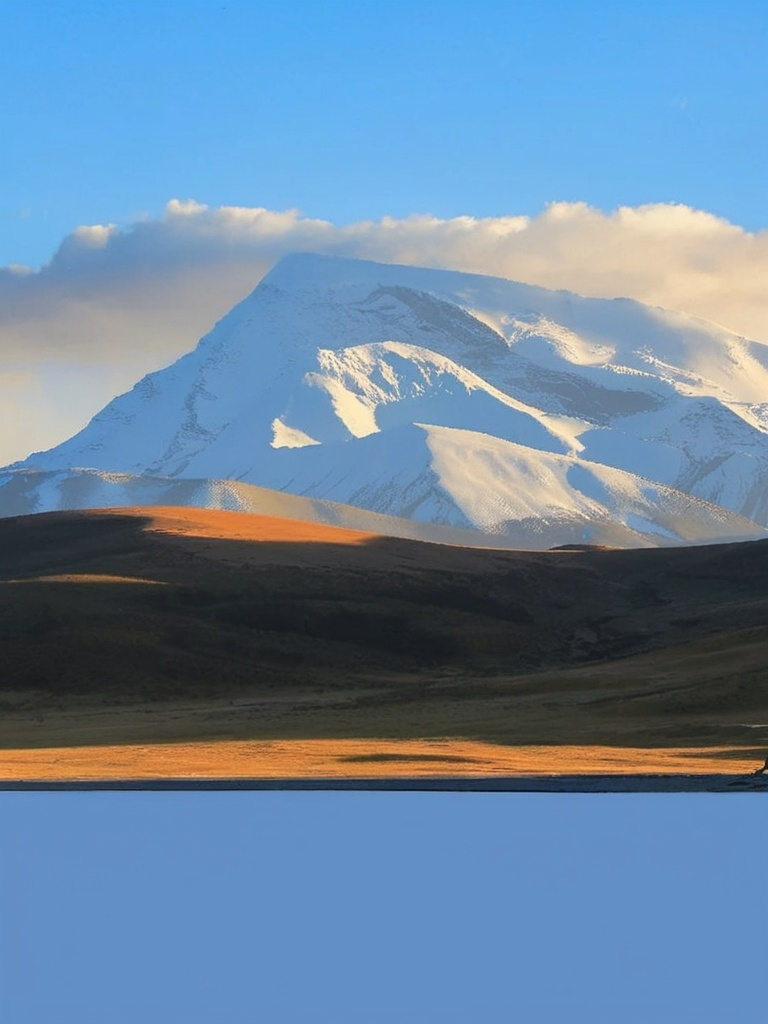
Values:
[(179, 623)]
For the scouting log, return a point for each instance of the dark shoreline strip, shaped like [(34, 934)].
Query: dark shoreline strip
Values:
[(673, 783)]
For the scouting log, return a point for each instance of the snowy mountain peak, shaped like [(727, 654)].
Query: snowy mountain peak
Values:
[(458, 399)]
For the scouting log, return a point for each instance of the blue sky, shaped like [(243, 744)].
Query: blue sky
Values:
[(355, 110), (368, 909)]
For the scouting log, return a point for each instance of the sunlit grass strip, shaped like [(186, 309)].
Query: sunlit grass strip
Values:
[(361, 758)]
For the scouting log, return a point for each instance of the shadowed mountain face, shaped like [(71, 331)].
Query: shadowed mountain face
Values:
[(178, 623), (533, 417)]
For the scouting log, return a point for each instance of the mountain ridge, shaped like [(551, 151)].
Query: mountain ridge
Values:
[(289, 389)]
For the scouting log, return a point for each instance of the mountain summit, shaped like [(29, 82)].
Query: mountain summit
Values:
[(530, 416)]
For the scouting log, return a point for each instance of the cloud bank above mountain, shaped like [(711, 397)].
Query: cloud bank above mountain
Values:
[(114, 303)]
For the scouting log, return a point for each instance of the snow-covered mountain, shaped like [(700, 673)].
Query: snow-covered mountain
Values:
[(471, 402)]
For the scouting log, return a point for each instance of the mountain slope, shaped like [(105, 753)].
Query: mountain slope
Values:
[(456, 399), (427, 483)]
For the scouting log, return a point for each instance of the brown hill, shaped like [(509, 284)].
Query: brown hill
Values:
[(170, 624)]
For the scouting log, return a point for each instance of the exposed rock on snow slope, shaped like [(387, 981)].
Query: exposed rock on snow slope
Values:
[(538, 417)]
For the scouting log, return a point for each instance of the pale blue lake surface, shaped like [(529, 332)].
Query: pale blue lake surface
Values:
[(381, 908)]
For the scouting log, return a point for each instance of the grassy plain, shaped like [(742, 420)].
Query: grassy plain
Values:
[(179, 632)]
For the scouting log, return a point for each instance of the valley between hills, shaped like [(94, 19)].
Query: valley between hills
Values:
[(180, 629)]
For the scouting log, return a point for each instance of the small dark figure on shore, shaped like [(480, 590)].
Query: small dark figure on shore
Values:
[(761, 771)]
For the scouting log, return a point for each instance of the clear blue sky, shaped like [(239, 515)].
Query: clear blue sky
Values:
[(351, 110), (407, 909)]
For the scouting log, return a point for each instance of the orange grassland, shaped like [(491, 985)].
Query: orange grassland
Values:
[(362, 759)]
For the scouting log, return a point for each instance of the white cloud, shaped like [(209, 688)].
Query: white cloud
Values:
[(95, 236), (113, 304)]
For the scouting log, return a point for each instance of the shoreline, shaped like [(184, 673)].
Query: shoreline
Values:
[(428, 784)]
